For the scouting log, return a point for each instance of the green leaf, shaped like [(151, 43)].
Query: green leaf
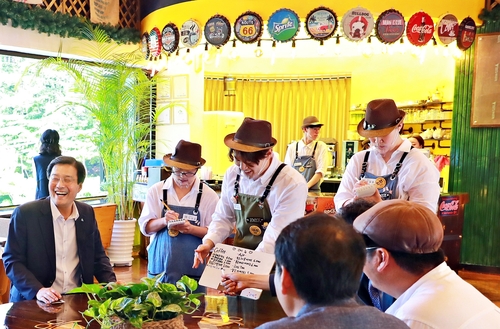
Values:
[(192, 284)]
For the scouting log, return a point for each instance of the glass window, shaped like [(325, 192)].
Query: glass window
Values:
[(30, 106)]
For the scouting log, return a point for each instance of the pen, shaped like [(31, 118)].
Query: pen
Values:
[(166, 206)]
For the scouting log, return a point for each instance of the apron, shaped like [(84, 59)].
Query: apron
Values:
[(170, 251), (306, 165), (252, 214), (385, 184)]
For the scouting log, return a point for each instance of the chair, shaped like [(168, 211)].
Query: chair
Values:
[(4, 285), (105, 216)]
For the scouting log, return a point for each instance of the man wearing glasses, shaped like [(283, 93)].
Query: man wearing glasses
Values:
[(185, 201)]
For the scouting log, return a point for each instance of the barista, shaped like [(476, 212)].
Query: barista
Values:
[(308, 155)]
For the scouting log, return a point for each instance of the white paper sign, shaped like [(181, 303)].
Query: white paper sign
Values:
[(229, 259)]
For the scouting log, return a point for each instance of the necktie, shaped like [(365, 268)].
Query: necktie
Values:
[(375, 295)]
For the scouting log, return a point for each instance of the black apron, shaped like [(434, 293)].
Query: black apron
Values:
[(306, 166)]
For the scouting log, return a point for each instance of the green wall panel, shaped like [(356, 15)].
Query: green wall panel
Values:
[(475, 169)]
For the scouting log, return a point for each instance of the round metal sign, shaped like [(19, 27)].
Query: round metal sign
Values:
[(420, 29), (321, 23), (447, 29), (248, 27), (190, 33), (170, 37), (390, 26), (217, 30), (283, 25), (466, 33)]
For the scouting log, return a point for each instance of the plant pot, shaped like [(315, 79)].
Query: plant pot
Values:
[(122, 243), (175, 323)]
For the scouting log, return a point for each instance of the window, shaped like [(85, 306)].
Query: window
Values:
[(27, 108)]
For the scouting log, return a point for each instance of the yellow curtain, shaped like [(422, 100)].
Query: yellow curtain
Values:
[(285, 102)]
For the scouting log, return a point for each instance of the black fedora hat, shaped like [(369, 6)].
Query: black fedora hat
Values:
[(187, 156), (380, 118), (252, 136)]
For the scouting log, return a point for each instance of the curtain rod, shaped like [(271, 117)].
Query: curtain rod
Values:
[(282, 79)]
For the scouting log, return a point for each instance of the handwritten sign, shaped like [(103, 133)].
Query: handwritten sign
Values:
[(229, 259)]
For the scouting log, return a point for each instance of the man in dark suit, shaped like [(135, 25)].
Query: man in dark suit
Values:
[(54, 244)]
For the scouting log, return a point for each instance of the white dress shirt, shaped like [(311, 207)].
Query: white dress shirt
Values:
[(153, 206), (286, 200), (321, 155), (442, 300), (418, 179), (67, 260)]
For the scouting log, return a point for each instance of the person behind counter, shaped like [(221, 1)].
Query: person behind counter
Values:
[(319, 260), (181, 196), (260, 194), (416, 141), (396, 169), (54, 244), (308, 155), (49, 150), (404, 259)]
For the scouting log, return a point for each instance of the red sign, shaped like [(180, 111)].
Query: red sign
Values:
[(466, 33), (420, 29), (449, 205), (447, 29)]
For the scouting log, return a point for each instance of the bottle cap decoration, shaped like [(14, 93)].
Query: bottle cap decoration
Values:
[(155, 42), (447, 29), (145, 44), (420, 29), (248, 27), (190, 33), (321, 23), (390, 26), (357, 24), (170, 38), (466, 33), (217, 30), (283, 25)]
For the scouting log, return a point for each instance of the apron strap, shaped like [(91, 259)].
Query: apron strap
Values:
[(237, 185), (399, 164), (268, 187), (198, 198), (364, 165), (165, 201), (314, 150), (296, 150)]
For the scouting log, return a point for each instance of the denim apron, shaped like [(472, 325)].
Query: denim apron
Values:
[(306, 165), (171, 251), (252, 214), (386, 184)]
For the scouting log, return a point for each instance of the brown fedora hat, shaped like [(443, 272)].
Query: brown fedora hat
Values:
[(311, 121), (380, 118), (252, 136), (187, 156)]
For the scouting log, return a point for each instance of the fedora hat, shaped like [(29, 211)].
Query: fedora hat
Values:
[(380, 118), (252, 136), (187, 156), (311, 121)]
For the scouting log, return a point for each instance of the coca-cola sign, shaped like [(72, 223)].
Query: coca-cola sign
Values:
[(466, 33), (447, 29), (449, 205), (420, 29)]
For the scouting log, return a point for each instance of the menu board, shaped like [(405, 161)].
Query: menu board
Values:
[(226, 259)]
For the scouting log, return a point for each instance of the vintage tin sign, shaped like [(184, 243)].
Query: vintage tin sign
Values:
[(357, 24), (155, 42), (449, 205), (420, 29), (321, 23), (217, 30), (145, 45), (447, 29), (170, 37), (390, 26), (190, 33), (248, 27), (283, 25), (466, 33)]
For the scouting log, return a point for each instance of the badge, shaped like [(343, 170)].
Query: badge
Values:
[(390, 26), (380, 182), (420, 29), (217, 30), (357, 24), (255, 230), (170, 38), (173, 233), (248, 27), (265, 225), (321, 23), (301, 169), (283, 25)]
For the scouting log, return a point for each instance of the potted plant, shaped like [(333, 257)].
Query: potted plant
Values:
[(141, 305)]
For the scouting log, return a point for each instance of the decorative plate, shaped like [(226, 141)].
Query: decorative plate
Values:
[(170, 37), (390, 26), (248, 27), (155, 42), (321, 23), (217, 30), (357, 23), (420, 29), (145, 45), (190, 33), (283, 25), (447, 29), (466, 33)]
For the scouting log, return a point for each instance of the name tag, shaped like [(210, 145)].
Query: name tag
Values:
[(297, 164), (237, 206), (255, 220), (369, 180), (190, 218)]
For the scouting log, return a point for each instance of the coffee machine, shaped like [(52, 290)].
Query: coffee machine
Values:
[(331, 144)]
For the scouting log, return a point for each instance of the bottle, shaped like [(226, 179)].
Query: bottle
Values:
[(421, 36)]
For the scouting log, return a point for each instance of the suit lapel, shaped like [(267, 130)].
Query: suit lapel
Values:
[(46, 226)]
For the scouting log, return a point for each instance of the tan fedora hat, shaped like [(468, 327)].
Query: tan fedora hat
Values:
[(311, 121), (252, 136), (380, 118), (187, 156)]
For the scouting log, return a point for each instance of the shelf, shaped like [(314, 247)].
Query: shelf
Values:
[(424, 106)]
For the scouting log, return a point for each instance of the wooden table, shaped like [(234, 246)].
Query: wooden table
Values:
[(30, 314)]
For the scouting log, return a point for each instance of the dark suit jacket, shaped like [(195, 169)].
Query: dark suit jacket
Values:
[(363, 294), (30, 254)]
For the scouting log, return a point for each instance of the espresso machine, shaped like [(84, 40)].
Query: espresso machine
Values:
[(331, 143)]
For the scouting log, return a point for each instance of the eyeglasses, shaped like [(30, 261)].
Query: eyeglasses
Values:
[(179, 173)]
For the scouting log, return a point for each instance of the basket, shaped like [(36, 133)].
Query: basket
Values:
[(175, 323)]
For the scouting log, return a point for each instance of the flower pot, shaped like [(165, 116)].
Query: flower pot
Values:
[(122, 243), (175, 323)]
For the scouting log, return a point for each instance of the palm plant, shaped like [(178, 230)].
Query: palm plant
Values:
[(117, 93)]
